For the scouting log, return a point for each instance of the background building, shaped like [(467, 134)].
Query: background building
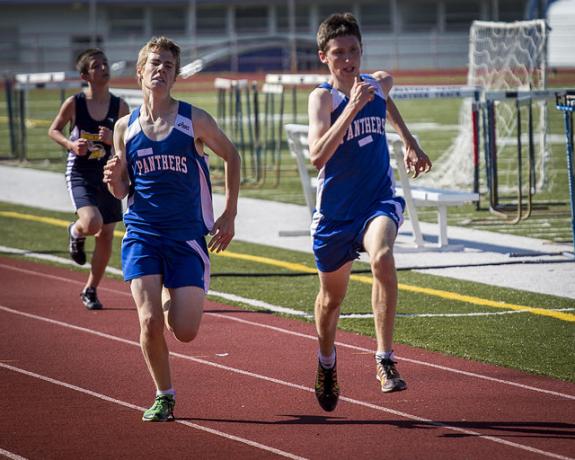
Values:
[(250, 35)]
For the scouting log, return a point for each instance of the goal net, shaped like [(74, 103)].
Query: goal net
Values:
[(502, 56)]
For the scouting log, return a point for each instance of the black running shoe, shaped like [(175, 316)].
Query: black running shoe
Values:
[(90, 299), (76, 247), (326, 387), (389, 377)]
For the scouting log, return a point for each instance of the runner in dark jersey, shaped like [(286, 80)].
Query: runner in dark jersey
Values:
[(91, 115)]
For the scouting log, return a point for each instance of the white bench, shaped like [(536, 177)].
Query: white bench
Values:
[(413, 196)]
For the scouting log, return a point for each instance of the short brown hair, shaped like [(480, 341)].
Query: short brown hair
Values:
[(159, 43), (83, 60), (337, 25)]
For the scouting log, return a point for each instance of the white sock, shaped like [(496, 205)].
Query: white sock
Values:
[(385, 355), (74, 232), (169, 391), (327, 362)]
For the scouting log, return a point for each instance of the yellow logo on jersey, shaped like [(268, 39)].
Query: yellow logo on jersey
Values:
[(90, 136), (97, 154)]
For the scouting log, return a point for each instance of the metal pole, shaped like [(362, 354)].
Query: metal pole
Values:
[(568, 118), (11, 122), (22, 99), (475, 119)]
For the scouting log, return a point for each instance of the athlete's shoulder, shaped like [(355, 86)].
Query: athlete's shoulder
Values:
[(320, 94), (69, 103), (384, 80), (122, 122)]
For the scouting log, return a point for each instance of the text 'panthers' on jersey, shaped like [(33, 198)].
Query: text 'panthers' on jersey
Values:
[(170, 189), (359, 173)]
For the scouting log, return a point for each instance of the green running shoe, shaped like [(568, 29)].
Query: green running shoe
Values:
[(162, 410)]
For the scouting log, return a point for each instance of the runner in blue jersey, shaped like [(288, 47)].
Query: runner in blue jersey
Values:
[(356, 207), (160, 165), (91, 115)]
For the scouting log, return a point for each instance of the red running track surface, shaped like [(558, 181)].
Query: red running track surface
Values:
[(73, 384)]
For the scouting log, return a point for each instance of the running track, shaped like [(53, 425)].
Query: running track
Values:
[(73, 384)]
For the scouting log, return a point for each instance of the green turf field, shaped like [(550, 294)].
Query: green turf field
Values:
[(540, 340)]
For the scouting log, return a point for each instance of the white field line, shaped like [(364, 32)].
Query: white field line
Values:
[(267, 306), (11, 455), (119, 402), (311, 337), (271, 380)]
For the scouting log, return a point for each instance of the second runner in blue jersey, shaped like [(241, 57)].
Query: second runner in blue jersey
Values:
[(359, 172)]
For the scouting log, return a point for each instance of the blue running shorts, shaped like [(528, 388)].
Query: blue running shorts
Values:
[(181, 263), (336, 242)]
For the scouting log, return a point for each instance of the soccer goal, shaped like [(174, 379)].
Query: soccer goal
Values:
[(502, 57)]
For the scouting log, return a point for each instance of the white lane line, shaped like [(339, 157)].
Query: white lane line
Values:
[(295, 386), (311, 337), (265, 305), (11, 455), (403, 358), (119, 402)]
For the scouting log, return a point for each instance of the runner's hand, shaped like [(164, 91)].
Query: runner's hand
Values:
[(222, 233), (415, 160), (106, 135), (113, 170)]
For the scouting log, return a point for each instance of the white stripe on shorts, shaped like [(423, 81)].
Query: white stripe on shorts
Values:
[(200, 251)]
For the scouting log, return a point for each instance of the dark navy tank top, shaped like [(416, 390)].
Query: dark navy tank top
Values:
[(86, 127)]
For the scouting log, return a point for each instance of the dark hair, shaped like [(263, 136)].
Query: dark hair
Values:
[(337, 25), (83, 60)]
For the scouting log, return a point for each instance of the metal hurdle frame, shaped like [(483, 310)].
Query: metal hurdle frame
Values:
[(565, 102), (487, 105), (271, 137), (230, 115), (293, 81), (19, 86), (451, 91)]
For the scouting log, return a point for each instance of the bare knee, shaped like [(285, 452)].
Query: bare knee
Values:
[(92, 226), (151, 326), (185, 327), (382, 263), (328, 301), (186, 334)]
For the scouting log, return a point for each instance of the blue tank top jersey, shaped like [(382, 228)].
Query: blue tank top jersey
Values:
[(170, 190), (85, 127), (359, 173)]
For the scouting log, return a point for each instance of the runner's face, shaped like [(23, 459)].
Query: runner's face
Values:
[(159, 72), (98, 70), (343, 57)]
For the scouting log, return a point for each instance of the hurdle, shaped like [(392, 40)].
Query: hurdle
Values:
[(17, 102), (273, 129), (452, 91), (520, 98), (294, 81), (565, 102), (230, 116)]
